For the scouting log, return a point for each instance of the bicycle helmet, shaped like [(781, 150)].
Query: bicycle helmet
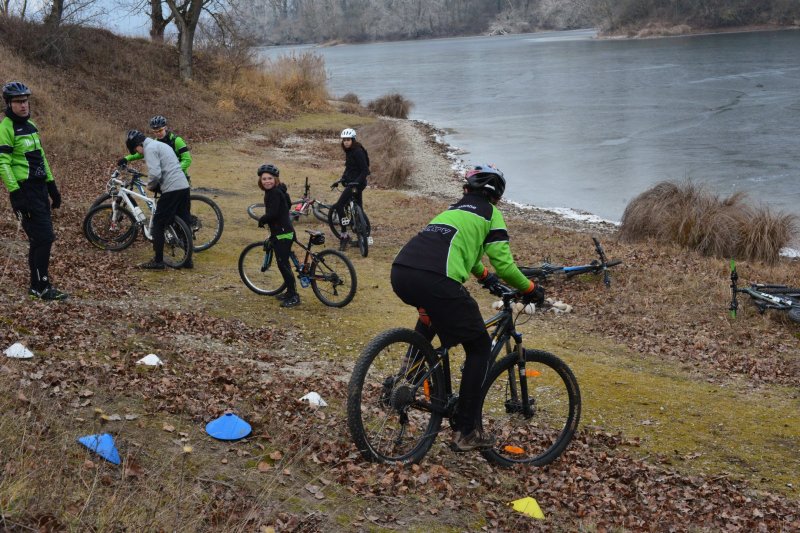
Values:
[(486, 178), (158, 122), (15, 88), (269, 169), (348, 133), (135, 138)]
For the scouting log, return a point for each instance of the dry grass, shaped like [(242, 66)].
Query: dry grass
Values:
[(301, 80), (391, 105), (351, 98), (691, 216), (389, 161)]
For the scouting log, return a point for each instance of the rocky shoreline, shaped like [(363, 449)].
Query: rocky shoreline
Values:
[(438, 171)]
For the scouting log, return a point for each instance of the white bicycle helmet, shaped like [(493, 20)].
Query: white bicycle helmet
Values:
[(348, 133)]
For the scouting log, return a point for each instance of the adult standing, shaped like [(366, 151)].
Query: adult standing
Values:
[(354, 178), (167, 178), (27, 177)]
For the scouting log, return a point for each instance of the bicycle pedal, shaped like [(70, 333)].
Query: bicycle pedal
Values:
[(369, 241), (345, 222)]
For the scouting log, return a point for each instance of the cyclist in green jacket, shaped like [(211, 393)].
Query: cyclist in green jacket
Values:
[(429, 273), (27, 177), (159, 126)]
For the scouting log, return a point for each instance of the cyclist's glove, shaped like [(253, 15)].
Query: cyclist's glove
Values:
[(489, 281), (122, 162), (536, 296), (335, 184), (262, 221), (55, 196)]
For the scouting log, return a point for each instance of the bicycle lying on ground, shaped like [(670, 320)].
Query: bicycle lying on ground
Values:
[(330, 273), (303, 206), (206, 217), (355, 217), (401, 389), (778, 297), (114, 225), (546, 270)]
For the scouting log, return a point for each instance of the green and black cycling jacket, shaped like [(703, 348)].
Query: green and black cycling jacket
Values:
[(454, 242), (21, 154), (177, 144)]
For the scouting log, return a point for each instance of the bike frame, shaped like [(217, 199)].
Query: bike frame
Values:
[(503, 333), (761, 296), (120, 191)]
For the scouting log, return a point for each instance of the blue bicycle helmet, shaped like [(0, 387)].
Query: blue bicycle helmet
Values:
[(15, 88), (486, 178)]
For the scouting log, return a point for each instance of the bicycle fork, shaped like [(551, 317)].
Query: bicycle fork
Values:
[(520, 401)]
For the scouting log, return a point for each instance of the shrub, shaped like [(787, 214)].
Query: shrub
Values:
[(389, 162), (692, 217), (391, 105), (351, 98)]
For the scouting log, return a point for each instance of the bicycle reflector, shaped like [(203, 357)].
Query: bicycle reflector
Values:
[(514, 450), (532, 373)]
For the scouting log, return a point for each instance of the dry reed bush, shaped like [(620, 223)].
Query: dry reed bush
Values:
[(689, 215), (351, 98), (389, 162), (391, 105), (301, 80)]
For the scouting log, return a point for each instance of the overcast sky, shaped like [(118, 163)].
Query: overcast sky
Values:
[(121, 20)]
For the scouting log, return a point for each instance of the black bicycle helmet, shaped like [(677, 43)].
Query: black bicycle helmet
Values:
[(488, 179), (135, 138), (269, 169), (158, 122), (15, 88)]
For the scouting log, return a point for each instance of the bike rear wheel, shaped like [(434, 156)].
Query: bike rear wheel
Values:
[(320, 211), (110, 229), (394, 402), (206, 222), (259, 271), (333, 278), (360, 228), (555, 400), (178, 245)]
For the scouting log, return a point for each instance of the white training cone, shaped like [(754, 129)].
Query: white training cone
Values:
[(498, 304), (18, 351), (313, 398), (529, 309), (149, 360)]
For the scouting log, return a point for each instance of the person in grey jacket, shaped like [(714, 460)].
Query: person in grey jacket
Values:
[(166, 177)]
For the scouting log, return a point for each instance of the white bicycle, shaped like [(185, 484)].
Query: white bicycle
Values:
[(113, 226)]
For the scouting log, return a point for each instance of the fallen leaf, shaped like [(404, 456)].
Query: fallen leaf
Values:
[(169, 428), (264, 466)]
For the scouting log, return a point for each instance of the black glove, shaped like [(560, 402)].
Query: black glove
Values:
[(535, 297), (489, 281), (335, 184), (19, 203), (122, 162), (262, 221), (55, 196)]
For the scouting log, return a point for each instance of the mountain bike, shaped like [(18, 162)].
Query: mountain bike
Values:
[(303, 206), (355, 217), (206, 221), (114, 225), (401, 389), (778, 297), (330, 273), (602, 265)]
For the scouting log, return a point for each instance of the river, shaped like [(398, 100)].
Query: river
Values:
[(588, 124)]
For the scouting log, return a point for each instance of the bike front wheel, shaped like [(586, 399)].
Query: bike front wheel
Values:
[(395, 400), (178, 245), (206, 222), (320, 211), (109, 228), (555, 402), (259, 271), (333, 278)]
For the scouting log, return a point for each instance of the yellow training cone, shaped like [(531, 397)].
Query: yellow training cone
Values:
[(528, 506)]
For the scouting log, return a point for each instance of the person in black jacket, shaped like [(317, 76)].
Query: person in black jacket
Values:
[(281, 232), (354, 178)]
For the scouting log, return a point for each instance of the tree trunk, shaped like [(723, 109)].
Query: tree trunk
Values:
[(56, 13), (186, 19), (157, 21)]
